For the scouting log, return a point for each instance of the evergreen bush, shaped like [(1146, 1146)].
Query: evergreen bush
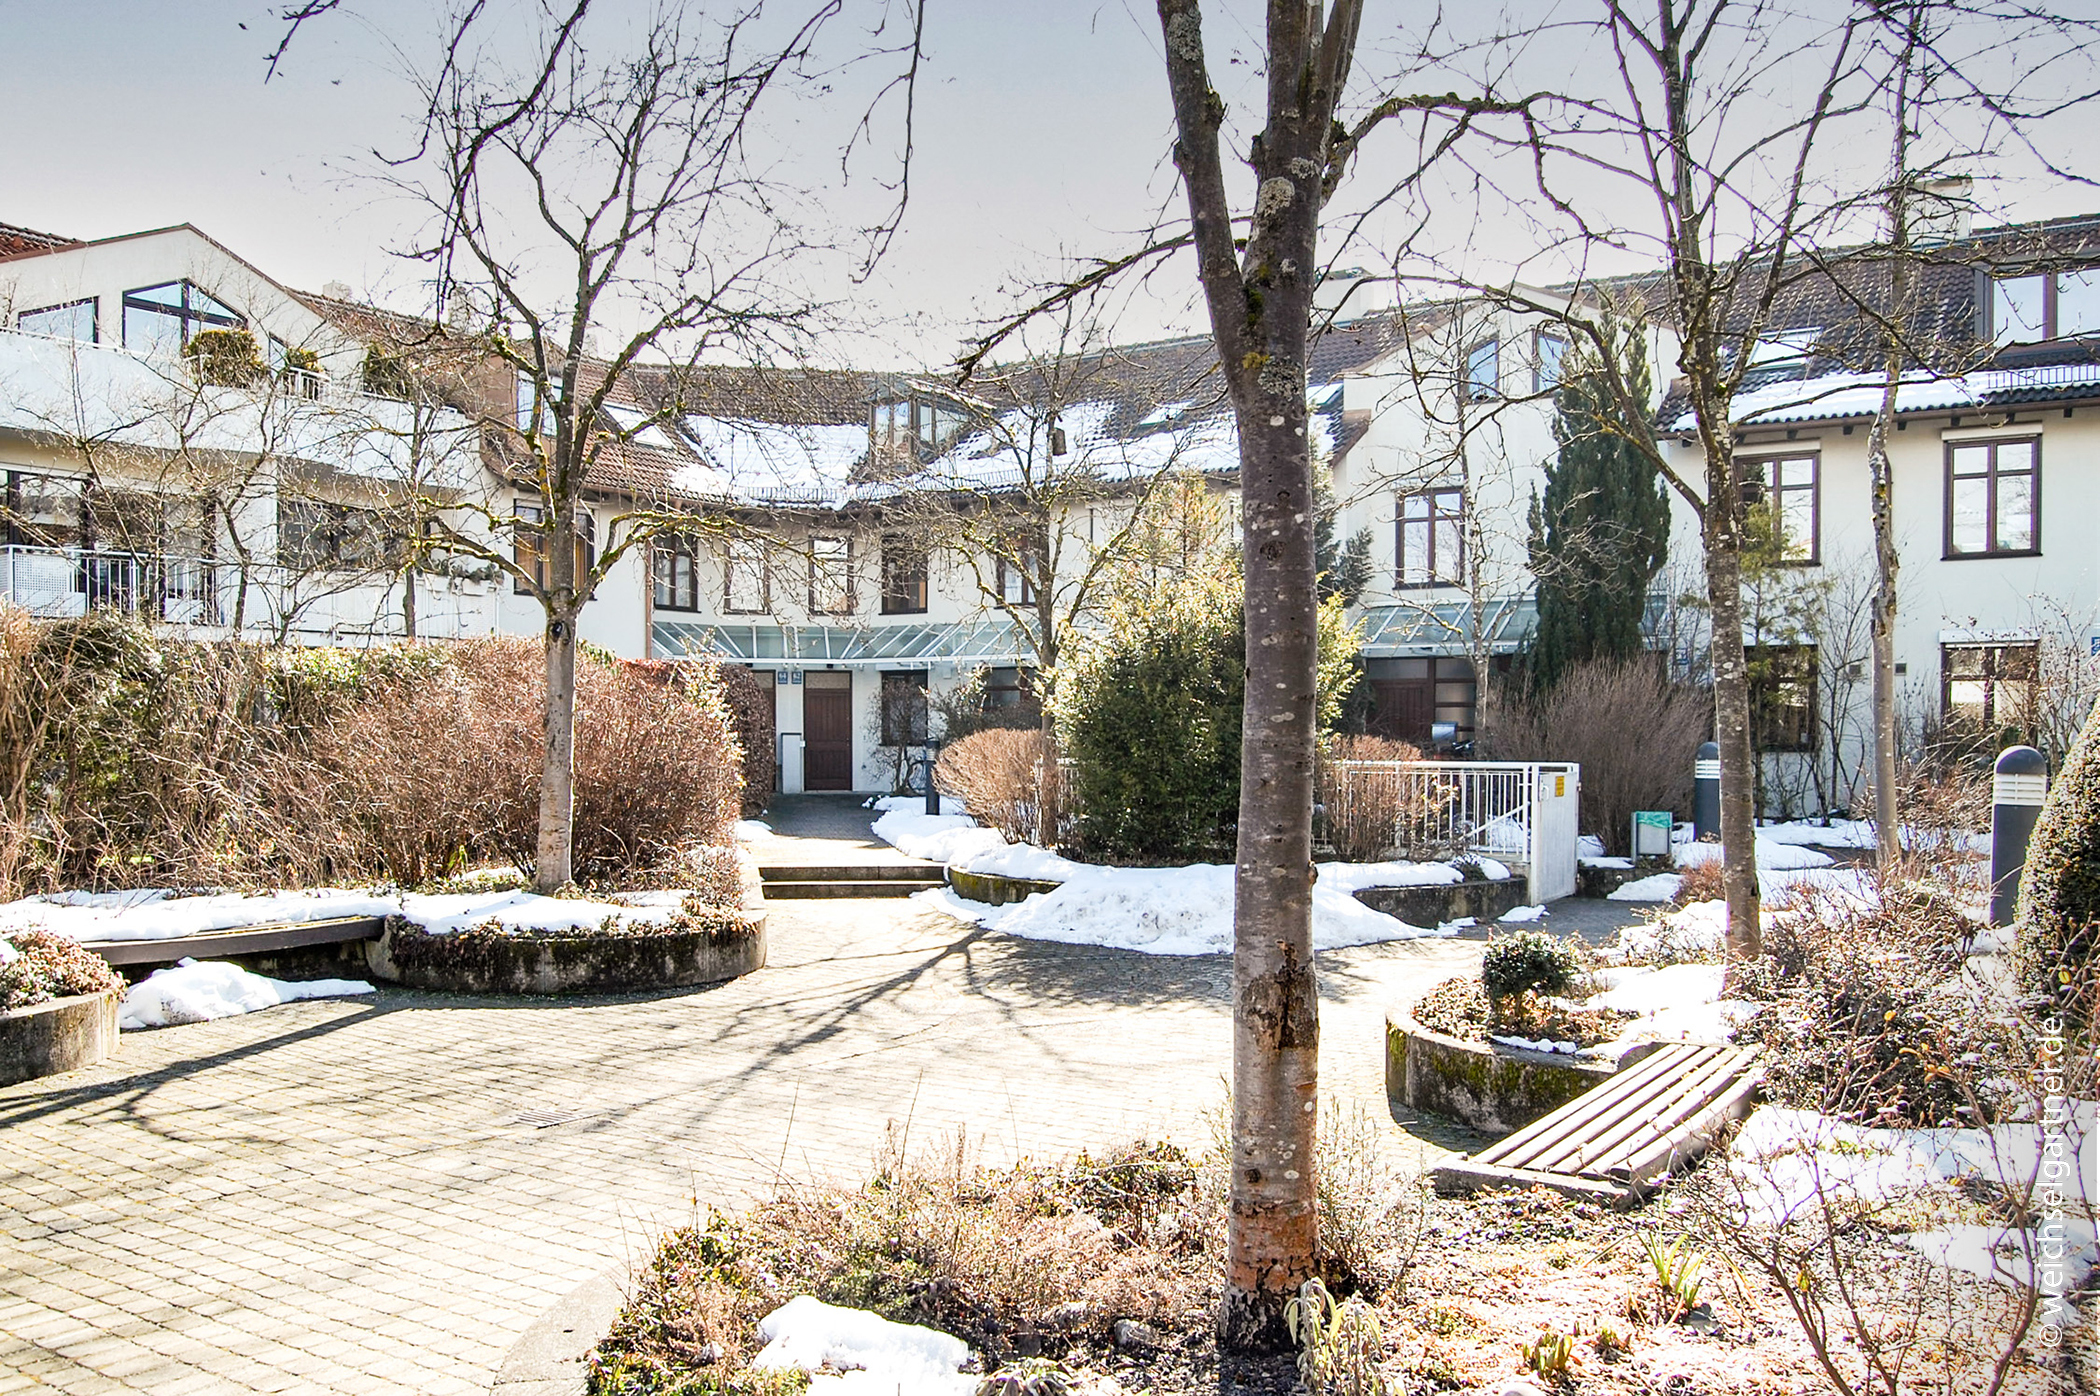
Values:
[(1148, 712), (2059, 911), (1528, 963), (225, 358)]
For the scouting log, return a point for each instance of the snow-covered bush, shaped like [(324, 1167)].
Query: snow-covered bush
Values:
[(1006, 778), (37, 966)]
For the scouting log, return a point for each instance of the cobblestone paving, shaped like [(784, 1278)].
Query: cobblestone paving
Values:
[(380, 1195)]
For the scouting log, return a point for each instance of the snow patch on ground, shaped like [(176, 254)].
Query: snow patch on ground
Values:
[(913, 804), (870, 1355), (1523, 913), (1658, 887), (1772, 855), (750, 829), (1677, 1003), (196, 991), (1789, 1163), (1170, 911), (529, 911)]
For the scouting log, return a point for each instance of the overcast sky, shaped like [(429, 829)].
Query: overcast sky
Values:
[(1042, 131)]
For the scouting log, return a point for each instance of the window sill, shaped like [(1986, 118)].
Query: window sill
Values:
[(1985, 557), (1428, 586), (903, 610), (732, 611)]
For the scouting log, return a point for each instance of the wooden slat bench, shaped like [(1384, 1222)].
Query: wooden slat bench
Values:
[(1617, 1141), (238, 940)]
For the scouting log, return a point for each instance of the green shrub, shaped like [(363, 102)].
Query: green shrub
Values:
[(2059, 913), (225, 358), (1148, 712), (1528, 963)]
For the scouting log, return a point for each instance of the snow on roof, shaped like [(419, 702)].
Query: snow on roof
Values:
[(1833, 396)]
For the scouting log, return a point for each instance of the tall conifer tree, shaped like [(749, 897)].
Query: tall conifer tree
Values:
[(1602, 531)]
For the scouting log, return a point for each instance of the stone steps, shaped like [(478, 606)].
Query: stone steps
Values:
[(813, 882)]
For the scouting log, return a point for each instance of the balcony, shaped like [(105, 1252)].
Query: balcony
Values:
[(57, 582)]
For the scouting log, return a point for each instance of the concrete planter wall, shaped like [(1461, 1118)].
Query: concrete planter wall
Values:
[(1492, 1088), (995, 889), (578, 963), (61, 1035), (1446, 901)]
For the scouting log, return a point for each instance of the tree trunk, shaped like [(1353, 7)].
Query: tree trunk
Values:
[(408, 601), (1724, 594), (551, 866), (1275, 993), (552, 861), (1888, 834)]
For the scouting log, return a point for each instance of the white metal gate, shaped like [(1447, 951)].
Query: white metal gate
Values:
[(1516, 812)]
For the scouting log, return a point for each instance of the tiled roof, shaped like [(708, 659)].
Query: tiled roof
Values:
[(17, 241)]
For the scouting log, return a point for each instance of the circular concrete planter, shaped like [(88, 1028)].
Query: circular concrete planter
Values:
[(1493, 1088), (60, 1035), (577, 962)]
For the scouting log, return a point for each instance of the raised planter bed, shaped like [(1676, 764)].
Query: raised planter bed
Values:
[(1493, 1088), (576, 962), (57, 1035), (1441, 902)]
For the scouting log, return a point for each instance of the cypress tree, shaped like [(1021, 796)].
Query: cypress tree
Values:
[(2059, 914), (1602, 531)]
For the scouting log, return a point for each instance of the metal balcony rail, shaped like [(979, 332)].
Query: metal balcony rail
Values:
[(56, 582), (1520, 813)]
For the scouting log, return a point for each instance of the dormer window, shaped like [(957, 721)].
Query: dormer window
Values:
[(2044, 306), (162, 319), (922, 427)]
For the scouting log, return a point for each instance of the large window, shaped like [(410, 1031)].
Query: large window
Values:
[(529, 545), (2044, 306), (903, 576), (831, 576), (1017, 580), (1484, 371), (1994, 498), (162, 319), (1432, 538), (319, 535), (903, 699), (746, 583), (1991, 686), (1782, 697), (677, 586), (1789, 489), (74, 320), (43, 511)]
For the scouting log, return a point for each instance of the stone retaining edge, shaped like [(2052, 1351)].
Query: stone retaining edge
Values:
[(547, 1359), (58, 1035)]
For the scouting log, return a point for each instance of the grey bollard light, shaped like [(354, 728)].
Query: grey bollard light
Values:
[(933, 794), (1706, 792), (2019, 784)]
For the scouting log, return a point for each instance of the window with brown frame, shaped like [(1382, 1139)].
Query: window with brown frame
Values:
[(1791, 489), (903, 699), (1992, 686), (1994, 498), (903, 576), (2043, 306), (831, 576), (1782, 696), (677, 575), (528, 548), (1431, 544)]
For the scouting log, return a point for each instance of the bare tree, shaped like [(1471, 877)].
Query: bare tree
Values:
[(616, 186)]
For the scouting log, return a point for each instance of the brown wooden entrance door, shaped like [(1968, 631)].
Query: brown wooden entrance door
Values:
[(1403, 710), (827, 735)]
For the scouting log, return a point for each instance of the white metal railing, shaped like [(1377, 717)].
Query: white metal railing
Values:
[(1521, 813), (53, 583)]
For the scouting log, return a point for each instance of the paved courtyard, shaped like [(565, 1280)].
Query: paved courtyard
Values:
[(382, 1194)]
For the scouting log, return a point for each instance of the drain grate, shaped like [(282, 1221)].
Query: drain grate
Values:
[(544, 1119)]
